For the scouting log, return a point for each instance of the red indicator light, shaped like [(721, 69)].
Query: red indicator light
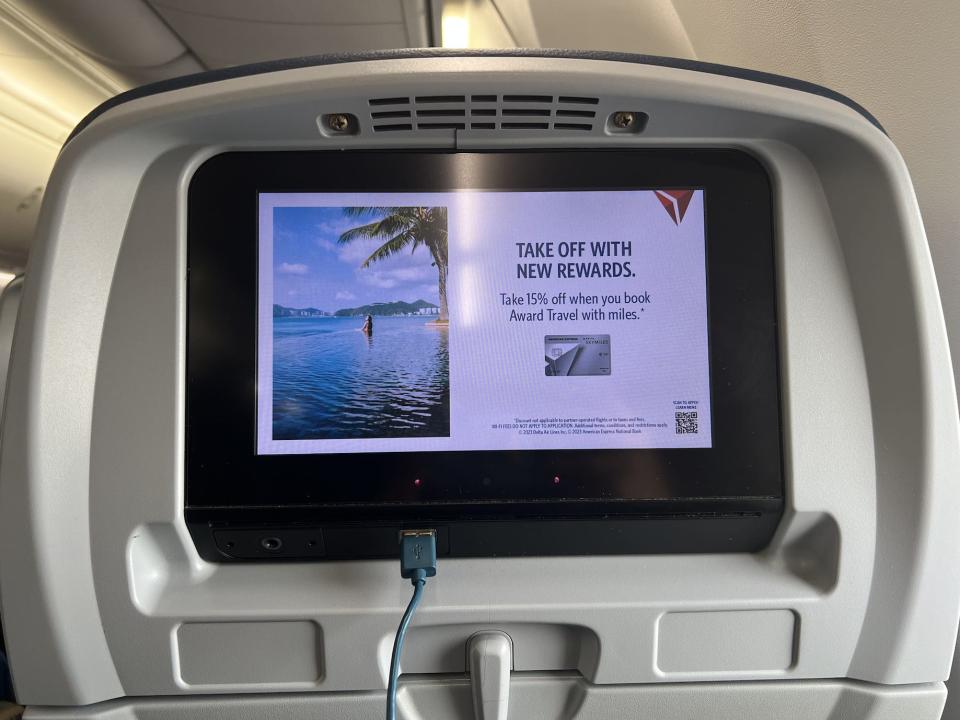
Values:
[(417, 482), (556, 479)]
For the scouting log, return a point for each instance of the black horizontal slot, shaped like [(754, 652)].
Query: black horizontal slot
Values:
[(484, 98), (483, 126), (576, 113), (388, 128), (441, 113), (484, 111), (525, 126), (440, 98), (526, 111), (390, 114), (440, 126), (528, 98), (578, 100), (389, 101), (572, 126)]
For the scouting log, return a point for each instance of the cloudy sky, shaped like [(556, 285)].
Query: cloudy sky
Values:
[(312, 270)]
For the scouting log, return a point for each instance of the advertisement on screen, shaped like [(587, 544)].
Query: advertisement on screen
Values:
[(482, 320)]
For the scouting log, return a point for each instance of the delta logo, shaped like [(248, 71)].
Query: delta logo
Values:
[(675, 202)]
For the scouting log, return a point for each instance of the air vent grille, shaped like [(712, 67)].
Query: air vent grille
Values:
[(484, 112)]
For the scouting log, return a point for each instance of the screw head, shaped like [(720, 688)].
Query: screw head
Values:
[(623, 120), (339, 122)]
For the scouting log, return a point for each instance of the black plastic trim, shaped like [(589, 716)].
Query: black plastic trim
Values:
[(728, 498), (715, 532), (211, 76)]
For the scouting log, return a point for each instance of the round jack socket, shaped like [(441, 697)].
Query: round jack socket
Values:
[(271, 544)]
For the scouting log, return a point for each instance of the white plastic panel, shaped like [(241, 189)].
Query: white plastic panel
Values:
[(726, 641), (548, 697), (264, 653), (864, 561)]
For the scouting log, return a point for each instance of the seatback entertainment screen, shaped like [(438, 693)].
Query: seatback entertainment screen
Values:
[(536, 352), (482, 320)]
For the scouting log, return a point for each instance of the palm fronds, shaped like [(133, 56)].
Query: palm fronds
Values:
[(402, 227)]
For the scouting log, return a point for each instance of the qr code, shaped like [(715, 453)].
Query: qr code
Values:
[(686, 422)]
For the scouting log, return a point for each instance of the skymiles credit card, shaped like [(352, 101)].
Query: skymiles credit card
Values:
[(576, 354)]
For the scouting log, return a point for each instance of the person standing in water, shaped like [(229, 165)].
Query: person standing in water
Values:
[(368, 325)]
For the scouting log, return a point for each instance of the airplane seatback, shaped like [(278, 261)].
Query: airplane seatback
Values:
[(850, 610)]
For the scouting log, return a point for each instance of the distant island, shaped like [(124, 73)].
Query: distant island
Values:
[(420, 307), (392, 309), (281, 311)]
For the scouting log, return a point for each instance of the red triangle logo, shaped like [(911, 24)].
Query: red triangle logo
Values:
[(675, 202)]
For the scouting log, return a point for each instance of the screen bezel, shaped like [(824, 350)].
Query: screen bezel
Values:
[(223, 470)]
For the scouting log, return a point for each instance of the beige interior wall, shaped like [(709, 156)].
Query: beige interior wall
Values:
[(900, 59)]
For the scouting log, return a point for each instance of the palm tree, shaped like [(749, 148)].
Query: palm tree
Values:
[(403, 227)]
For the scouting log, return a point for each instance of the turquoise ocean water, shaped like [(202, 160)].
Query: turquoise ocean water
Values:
[(332, 381)]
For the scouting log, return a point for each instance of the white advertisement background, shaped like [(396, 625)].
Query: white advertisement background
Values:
[(497, 366)]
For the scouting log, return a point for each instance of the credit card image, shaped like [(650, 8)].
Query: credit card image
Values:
[(576, 355)]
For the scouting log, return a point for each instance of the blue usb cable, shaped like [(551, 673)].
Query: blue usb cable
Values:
[(418, 561)]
